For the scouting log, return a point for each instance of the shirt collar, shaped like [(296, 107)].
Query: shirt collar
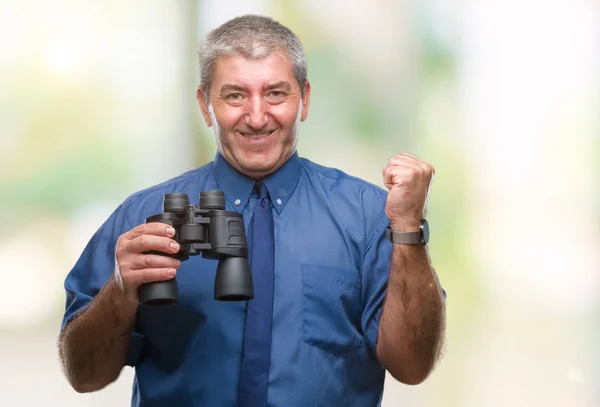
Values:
[(238, 187)]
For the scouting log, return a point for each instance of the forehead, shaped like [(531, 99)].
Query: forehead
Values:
[(252, 72)]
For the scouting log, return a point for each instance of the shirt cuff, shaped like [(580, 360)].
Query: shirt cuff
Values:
[(373, 331)]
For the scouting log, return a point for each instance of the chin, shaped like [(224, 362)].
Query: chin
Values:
[(259, 171), (260, 167)]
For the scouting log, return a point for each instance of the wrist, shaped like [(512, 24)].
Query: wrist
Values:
[(405, 225), (124, 297)]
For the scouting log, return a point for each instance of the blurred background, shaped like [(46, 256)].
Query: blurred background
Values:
[(97, 101)]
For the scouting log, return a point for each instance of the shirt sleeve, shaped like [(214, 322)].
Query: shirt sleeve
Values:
[(92, 271), (375, 272)]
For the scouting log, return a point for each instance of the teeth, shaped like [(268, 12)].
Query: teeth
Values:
[(261, 135)]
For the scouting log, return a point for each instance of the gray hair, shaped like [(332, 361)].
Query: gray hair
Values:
[(251, 37)]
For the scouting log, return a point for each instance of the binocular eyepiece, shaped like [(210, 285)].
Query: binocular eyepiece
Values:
[(210, 230)]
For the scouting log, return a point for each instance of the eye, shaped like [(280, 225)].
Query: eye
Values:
[(276, 96), (235, 96)]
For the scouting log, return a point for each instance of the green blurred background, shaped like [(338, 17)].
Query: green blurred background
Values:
[(97, 101)]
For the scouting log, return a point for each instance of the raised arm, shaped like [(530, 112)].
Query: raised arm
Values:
[(412, 325)]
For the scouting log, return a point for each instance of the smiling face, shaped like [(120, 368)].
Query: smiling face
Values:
[(254, 107)]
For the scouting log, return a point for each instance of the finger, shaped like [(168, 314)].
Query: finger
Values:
[(143, 261), (396, 174), (412, 157), (409, 160), (425, 169), (134, 278), (145, 243), (402, 175), (387, 177), (152, 228), (404, 157)]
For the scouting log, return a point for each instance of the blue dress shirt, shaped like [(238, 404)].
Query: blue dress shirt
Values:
[(331, 267)]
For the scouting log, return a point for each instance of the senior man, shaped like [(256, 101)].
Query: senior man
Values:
[(343, 284)]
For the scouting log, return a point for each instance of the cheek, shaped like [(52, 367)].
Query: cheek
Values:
[(284, 116), (228, 118)]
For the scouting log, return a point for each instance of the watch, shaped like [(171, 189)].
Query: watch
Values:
[(420, 237)]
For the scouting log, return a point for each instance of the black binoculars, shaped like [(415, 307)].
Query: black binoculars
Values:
[(208, 229)]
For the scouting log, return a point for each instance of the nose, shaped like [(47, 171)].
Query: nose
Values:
[(256, 118)]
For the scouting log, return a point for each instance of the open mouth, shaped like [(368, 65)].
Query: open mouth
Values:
[(256, 136)]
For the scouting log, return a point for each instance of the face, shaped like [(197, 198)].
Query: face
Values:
[(255, 106)]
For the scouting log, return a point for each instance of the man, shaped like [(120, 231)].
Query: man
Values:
[(336, 302)]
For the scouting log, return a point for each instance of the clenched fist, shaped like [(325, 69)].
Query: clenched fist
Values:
[(408, 178)]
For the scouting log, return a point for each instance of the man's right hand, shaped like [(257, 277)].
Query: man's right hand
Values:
[(137, 268)]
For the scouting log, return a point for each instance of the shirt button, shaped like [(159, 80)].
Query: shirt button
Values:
[(279, 202), (237, 202)]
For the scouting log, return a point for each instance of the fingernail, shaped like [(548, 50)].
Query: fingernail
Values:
[(171, 272), (170, 231), (177, 263), (175, 246)]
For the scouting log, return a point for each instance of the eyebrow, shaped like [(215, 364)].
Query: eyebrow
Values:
[(281, 84), (228, 87)]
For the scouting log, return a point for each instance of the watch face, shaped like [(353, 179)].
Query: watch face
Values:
[(425, 230)]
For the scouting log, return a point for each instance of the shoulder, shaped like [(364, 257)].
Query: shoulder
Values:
[(338, 182), (151, 198), (352, 200)]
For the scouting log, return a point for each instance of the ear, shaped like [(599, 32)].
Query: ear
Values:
[(203, 107), (306, 101)]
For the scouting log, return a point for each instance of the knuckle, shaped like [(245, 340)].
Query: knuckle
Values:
[(124, 265), (142, 229), (398, 175), (125, 275), (400, 181), (119, 251), (143, 241), (121, 244)]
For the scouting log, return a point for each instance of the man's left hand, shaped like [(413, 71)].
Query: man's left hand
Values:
[(408, 178)]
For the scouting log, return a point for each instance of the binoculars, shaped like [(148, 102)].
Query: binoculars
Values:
[(208, 229)]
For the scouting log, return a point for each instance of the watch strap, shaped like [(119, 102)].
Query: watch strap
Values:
[(403, 237)]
